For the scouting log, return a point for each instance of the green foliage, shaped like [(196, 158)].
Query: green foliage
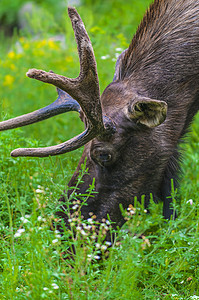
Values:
[(151, 258), (9, 9)]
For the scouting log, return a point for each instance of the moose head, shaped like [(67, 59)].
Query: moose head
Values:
[(130, 139)]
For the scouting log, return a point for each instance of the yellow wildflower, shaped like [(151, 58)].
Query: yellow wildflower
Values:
[(52, 45), (40, 44), (8, 80), (38, 52), (12, 67), (11, 54), (21, 39), (69, 59), (26, 45), (122, 39), (19, 55), (97, 29)]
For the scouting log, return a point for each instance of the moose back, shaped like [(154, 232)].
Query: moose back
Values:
[(133, 130)]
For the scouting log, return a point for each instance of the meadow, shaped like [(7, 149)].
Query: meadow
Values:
[(151, 258)]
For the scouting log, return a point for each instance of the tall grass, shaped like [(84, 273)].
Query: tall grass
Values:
[(151, 258)]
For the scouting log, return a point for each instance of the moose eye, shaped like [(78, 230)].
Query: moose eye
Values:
[(105, 157)]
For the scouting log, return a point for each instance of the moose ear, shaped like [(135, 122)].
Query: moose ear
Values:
[(118, 66), (147, 111)]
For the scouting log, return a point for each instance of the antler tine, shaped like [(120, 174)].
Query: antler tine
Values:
[(68, 146), (64, 103), (84, 88), (84, 46)]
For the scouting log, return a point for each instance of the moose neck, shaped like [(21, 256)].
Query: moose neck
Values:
[(158, 42)]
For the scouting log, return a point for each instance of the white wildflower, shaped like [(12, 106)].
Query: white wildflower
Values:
[(108, 243), (182, 282), (105, 226), (58, 236), (75, 207), (83, 232), (19, 232), (55, 241), (40, 219), (88, 227), (119, 49), (55, 286), (27, 216), (45, 288), (89, 220), (190, 201), (97, 245), (104, 247), (24, 220), (39, 191), (105, 57), (97, 257)]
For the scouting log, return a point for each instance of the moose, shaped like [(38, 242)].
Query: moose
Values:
[(133, 130)]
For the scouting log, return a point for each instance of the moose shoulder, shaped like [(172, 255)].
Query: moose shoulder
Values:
[(133, 130)]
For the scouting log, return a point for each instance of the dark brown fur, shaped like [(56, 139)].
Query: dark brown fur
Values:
[(161, 63)]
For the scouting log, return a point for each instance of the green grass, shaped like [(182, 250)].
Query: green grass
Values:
[(163, 264)]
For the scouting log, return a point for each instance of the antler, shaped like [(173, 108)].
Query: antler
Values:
[(64, 103), (84, 88)]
